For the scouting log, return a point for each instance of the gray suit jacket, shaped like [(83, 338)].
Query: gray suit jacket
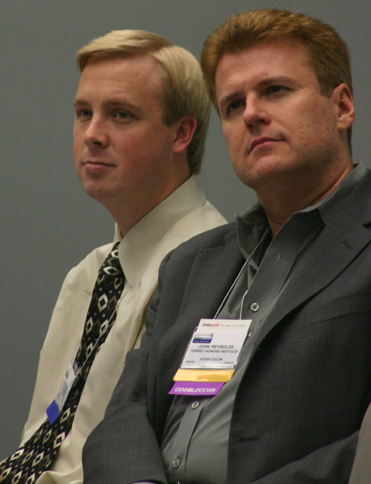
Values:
[(308, 383)]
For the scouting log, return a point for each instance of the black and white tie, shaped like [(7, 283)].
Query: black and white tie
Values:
[(39, 452)]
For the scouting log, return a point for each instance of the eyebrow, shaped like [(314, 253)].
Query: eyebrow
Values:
[(276, 80), (113, 103), (79, 102)]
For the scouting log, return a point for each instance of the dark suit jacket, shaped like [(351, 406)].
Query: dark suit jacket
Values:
[(300, 404)]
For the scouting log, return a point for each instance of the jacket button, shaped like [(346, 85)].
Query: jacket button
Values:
[(195, 405), (176, 463), (254, 307)]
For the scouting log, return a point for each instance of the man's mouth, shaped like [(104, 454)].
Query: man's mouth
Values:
[(96, 165), (260, 141)]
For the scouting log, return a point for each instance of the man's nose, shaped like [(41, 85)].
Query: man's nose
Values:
[(255, 111), (96, 133)]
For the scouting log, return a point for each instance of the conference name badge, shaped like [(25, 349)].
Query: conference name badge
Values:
[(211, 357)]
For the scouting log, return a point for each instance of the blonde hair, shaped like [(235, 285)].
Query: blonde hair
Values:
[(184, 90), (328, 54)]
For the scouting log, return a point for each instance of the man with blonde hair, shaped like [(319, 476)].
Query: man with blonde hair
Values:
[(255, 364), (142, 112)]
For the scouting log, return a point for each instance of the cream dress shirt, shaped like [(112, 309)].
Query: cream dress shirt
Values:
[(182, 215)]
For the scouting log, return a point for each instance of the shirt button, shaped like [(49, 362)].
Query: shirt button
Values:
[(176, 463), (195, 405), (254, 307)]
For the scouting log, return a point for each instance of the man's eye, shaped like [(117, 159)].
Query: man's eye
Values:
[(83, 113), (234, 106), (276, 89), (122, 115)]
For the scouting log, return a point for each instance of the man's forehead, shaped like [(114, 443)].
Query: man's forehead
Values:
[(262, 58), (131, 81)]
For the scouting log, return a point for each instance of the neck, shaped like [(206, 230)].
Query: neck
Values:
[(128, 212), (284, 199)]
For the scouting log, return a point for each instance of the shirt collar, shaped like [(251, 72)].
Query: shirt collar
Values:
[(139, 244), (251, 227), (329, 206)]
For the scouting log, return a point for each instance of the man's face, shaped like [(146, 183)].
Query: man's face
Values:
[(275, 120), (123, 151)]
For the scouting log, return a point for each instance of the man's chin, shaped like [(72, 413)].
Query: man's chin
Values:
[(267, 171)]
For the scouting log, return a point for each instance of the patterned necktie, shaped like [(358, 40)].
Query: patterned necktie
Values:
[(38, 453)]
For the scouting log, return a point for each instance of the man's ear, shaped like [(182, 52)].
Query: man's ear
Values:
[(186, 128), (345, 106)]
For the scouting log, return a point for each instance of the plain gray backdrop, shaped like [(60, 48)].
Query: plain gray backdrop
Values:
[(48, 224)]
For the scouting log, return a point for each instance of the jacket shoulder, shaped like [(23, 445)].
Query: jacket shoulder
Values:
[(211, 238)]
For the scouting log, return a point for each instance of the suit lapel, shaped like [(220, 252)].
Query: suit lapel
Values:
[(329, 255)]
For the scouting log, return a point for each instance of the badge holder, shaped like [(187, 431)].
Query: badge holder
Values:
[(211, 357)]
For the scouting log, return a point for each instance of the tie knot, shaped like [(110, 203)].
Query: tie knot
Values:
[(111, 266)]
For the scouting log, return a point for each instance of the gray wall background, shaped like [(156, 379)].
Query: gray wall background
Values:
[(47, 222)]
